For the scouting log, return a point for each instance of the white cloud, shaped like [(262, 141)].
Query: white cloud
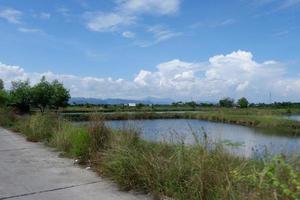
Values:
[(128, 34), (159, 33), (105, 22), (236, 74), (126, 12), (11, 15), (160, 7), (29, 30)]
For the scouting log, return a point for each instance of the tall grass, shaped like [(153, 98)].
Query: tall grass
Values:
[(7, 117), (75, 141), (39, 127), (178, 171), (194, 172)]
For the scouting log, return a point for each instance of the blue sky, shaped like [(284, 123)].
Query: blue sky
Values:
[(125, 43)]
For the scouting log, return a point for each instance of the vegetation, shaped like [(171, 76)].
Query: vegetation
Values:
[(202, 171), (253, 118), (43, 95), (243, 102), (20, 95), (226, 102)]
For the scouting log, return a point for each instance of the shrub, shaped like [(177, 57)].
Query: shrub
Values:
[(40, 127), (99, 133), (7, 117), (80, 144), (73, 140)]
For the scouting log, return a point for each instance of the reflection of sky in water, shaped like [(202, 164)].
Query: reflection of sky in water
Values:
[(251, 140), (294, 117)]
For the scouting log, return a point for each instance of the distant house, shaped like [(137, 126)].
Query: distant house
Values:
[(132, 104)]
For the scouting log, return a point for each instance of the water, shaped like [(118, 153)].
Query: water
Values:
[(237, 139), (294, 117)]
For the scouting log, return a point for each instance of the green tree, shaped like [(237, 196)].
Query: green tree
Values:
[(3, 94), (226, 102), (60, 96), (243, 102), (42, 93), (4, 97), (1, 84), (20, 95)]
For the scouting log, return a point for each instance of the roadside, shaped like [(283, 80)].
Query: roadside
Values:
[(33, 171)]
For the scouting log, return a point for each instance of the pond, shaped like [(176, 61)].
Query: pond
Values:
[(294, 117), (239, 140)]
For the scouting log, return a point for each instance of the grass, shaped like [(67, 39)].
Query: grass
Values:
[(249, 118), (176, 170)]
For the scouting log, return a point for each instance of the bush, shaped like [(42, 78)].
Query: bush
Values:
[(7, 117), (80, 144), (99, 133), (39, 127), (73, 140)]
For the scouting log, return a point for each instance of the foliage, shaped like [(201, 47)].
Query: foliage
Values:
[(60, 96), (20, 95), (70, 139), (243, 102), (1, 84), (7, 117), (226, 102), (39, 127), (4, 97), (42, 93), (99, 133)]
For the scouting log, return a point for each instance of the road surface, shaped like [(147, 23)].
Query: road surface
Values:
[(32, 171)]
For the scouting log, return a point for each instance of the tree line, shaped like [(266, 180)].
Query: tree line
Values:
[(43, 95)]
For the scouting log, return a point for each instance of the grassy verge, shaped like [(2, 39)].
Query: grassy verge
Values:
[(244, 118), (174, 170)]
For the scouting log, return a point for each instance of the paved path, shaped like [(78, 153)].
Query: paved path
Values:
[(31, 171)]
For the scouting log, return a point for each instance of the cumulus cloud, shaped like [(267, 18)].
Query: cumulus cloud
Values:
[(11, 15), (236, 74)]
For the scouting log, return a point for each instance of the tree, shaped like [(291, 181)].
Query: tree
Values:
[(21, 95), (243, 102), (42, 93), (4, 97), (226, 102), (3, 94), (60, 96), (1, 84)]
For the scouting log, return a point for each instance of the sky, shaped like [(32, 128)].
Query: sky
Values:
[(133, 49)]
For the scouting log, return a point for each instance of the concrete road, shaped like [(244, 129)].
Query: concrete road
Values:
[(31, 171)]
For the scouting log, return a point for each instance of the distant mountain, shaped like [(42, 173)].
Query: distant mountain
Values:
[(112, 101)]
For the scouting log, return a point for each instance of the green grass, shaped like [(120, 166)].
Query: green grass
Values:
[(173, 170), (251, 118)]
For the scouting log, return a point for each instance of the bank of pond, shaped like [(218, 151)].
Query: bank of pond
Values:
[(240, 140)]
